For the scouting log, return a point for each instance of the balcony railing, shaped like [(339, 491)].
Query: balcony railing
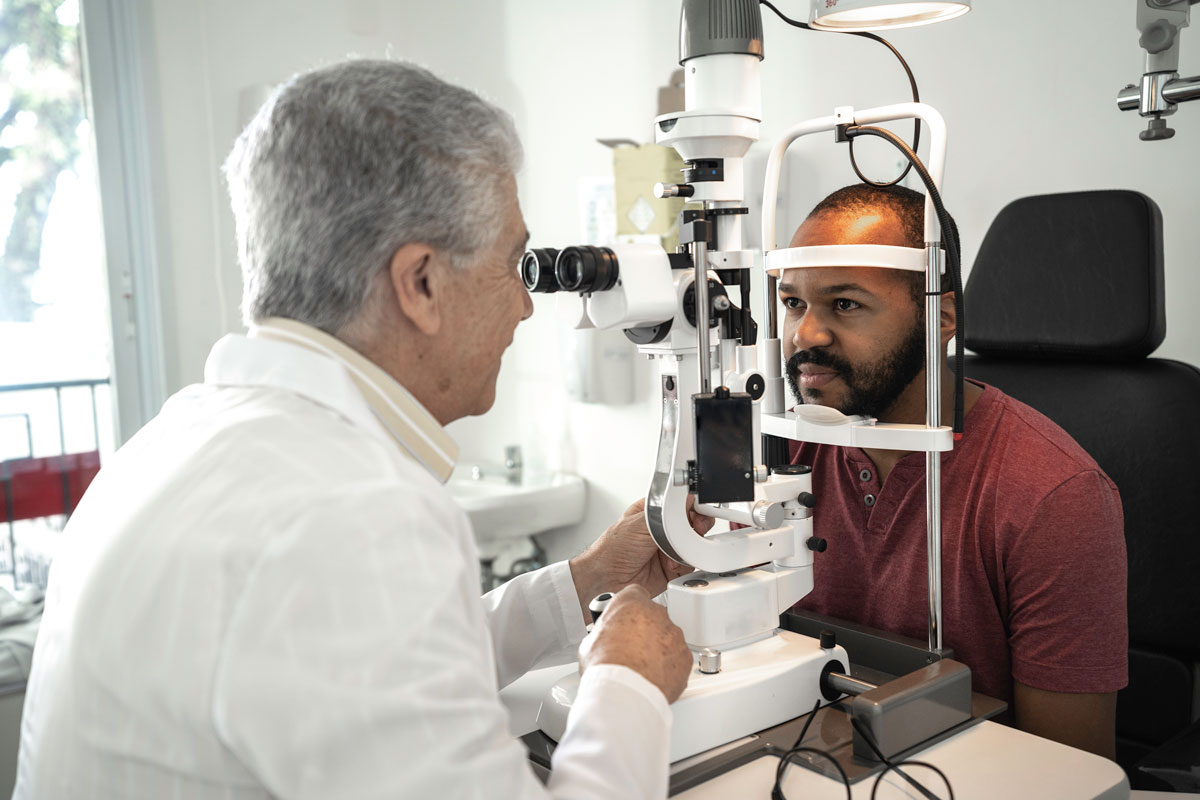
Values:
[(39, 488)]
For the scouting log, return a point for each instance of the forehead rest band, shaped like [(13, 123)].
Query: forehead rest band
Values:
[(910, 259)]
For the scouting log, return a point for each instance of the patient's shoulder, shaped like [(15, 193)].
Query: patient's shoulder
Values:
[(1024, 440)]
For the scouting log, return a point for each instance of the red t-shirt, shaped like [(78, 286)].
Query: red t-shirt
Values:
[(1033, 551)]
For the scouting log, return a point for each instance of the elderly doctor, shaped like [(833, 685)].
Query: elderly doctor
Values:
[(268, 592)]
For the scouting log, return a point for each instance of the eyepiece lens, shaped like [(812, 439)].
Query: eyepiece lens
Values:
[(529, 270), (537, 270), (586, 269), (572, 270)]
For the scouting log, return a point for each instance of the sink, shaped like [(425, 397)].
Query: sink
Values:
[(502, 510)]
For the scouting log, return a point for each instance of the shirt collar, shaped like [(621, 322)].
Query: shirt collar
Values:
[(414, 429)]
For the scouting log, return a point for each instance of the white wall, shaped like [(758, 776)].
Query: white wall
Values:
[(1030, 108)]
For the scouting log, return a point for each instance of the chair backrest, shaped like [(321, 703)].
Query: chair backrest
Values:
[(1063, 306)]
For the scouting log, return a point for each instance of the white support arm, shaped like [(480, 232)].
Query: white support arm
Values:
[(848, 116)]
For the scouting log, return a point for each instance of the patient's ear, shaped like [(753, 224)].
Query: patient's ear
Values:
[(948, 316), (416, 276)]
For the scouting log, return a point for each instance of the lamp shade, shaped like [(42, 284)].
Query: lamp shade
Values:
[(871, 15)]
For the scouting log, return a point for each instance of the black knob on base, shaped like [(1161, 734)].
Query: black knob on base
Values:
[(817, 544)]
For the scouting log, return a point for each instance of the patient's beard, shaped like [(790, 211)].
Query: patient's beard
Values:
[(871, 389)]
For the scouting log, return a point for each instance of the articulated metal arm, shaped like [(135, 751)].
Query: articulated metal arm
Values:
[(1161, 89)]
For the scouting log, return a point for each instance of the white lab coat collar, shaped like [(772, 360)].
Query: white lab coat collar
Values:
[(293, 356)]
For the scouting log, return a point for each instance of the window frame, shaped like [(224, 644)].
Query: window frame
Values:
[(121, 100)]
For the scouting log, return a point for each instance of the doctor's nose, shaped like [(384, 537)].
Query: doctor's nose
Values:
[(526, 304)]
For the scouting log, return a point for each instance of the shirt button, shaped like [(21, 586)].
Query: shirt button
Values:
[(865, 475), (869, 500)]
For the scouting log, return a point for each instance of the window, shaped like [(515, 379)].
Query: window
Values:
[(55, 343)]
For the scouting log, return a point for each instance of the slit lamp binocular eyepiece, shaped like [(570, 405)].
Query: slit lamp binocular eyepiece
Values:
[(583, 269)]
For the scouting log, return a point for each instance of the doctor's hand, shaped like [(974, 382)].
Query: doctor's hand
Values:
[(626, 555), (636, 632)]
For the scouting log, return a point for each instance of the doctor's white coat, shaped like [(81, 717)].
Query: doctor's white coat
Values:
[(262, 596)]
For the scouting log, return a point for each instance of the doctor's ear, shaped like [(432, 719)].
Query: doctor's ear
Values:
[(417, 282)]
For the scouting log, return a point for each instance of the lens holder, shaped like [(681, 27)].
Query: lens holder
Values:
[(586, 269), (537, 270)]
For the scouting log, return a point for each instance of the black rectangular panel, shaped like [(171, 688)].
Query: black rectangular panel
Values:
[(724, 447)]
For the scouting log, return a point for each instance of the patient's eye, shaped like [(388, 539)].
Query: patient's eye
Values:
[(792, 302), (843, 304)]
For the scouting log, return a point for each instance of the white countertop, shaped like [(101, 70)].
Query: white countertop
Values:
[(986, 761)]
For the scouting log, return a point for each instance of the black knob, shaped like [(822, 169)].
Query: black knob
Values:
[(665, 190), (598, 604), (755, 386), (828, 639), (817, 544), (807, 499)]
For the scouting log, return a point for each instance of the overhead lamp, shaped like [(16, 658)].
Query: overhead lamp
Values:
[(873, 15)]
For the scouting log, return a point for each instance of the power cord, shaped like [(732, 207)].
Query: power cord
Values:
[(786, 759), (895, 766), (889, 766), (912, 82), (953, 254)]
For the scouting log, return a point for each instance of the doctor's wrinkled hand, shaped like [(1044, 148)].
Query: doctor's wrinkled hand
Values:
[(626, 555), (636, 632)]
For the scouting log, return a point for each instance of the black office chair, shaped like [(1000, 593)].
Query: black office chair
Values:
[(1063, 306)]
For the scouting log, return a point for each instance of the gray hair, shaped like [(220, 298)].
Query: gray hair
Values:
[(343, 166)]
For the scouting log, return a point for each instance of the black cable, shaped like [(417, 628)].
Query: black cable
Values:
[(913, 763), (890, 766), (786, 759), (949, 241), (912, 82), (811, 716)]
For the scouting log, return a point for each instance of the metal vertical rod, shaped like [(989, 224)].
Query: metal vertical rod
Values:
[(10, 513), (933, 524), (700, 260), (721, 367), (62, 435), (62, 448), (933, 419), (95, 418), (747, 316), (771, 307)]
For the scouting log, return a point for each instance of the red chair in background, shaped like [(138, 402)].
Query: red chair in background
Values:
[(43, 487)]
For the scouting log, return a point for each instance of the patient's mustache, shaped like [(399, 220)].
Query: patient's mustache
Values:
[(819, 358)]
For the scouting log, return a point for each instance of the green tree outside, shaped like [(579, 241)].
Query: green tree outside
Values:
[(41, 108)]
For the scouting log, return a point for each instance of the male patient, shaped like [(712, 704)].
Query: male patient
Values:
[(268, 592), (1033, 551)]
